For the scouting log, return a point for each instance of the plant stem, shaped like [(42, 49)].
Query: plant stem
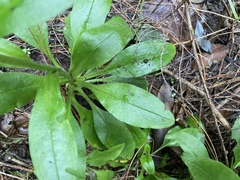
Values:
[(233, 9)]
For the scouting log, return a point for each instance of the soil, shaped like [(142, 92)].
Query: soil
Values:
[(217, 75)]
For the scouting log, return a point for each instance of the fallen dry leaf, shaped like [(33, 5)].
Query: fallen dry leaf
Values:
[(165, 95), (202, 41), (219, 52)]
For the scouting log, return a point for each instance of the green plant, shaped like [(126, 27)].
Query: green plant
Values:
[(233, 10), (104, 70), (235, 135), (191, 148), (107, 73)]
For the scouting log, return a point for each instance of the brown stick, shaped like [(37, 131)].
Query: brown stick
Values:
[(203, 94)]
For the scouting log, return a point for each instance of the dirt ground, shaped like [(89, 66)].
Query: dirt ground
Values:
[(197, 83)]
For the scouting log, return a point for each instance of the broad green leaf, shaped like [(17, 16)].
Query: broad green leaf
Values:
[(162, 176), (236, 131), (205, 168), (75, 137), (236, 136), (187, 139), (99, 45), (57, 145), (140, 176), (99, 158), (139, 136), (115, 164), (104, 174), (147, 149), (86, 14), (7, 6), (15, 62), (20, 14), (147, 163), (236, 158), (141, 59), (112, 132), (139, 81), (11, 50), (87, 125), (17, 89), (13, 57), (133, 105), (37, 36)]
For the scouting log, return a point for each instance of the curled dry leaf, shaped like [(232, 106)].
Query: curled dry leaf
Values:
[(15, 123), (219, 52), (165, 95), (202, 41), (7, 123)]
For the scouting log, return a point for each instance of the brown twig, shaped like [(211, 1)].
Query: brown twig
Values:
[(130, 165), (237, 79), (16, 167), (205, 94), (216, 114), (225, 101), (155, 8), (199, 91), (9, 175)]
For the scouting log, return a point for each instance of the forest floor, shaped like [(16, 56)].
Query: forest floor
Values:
[(202, 82)]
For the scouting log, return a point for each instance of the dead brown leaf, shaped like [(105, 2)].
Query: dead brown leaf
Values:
[(165, 95), (219, 52)]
